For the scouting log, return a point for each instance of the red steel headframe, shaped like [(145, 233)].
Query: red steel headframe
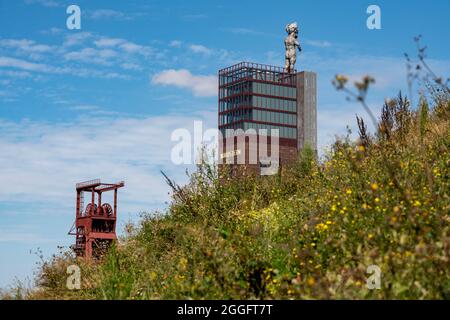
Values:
[(95, 225)]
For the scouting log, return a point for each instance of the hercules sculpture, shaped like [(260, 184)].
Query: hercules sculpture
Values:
[(291, 43)]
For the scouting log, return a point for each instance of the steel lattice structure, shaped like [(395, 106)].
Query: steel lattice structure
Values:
[(95, 225)]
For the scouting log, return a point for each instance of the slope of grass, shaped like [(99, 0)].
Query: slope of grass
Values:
[(309, 232)]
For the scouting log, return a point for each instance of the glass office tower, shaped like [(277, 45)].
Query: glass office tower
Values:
[(254, 96)]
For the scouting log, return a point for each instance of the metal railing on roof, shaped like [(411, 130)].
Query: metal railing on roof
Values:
[(253, 65), (89, 183), (109, 185)]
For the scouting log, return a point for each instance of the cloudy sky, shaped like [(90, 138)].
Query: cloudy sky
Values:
[(102, 102)]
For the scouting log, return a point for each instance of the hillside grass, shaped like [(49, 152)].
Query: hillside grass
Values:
[(309, 232)]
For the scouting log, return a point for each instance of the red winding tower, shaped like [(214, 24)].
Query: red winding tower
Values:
[(95, 225)]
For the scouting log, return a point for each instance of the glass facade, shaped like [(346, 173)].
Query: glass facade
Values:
[(274, 103), (257, 97), (273, 90), (274, 117)]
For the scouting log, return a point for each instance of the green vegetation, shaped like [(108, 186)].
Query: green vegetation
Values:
[(309, 232)]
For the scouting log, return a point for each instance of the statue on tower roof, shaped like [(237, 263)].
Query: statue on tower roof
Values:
[(291, 43)]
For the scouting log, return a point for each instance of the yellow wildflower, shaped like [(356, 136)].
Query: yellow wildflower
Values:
[(311, 281)]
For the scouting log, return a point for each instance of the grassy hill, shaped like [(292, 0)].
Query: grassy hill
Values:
[(309, 232)]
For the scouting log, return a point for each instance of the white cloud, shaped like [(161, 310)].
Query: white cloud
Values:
[(9, 62), (131, 47), (332, 121), (318, 43), (124, 45), (45, 3), (89, 109), (108, 42), (25, 45), (131, 66), (52, 31), (41, 162), (200, 85), (53, 59), (175, 43), (85, 107), (15, 74), (194, 16), (198, 48), (25, 237), (248, 31), (108, 14), (76, 39), (45, 160), (24, 65), (91, 55)]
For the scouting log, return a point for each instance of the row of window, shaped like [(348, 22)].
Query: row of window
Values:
[(258, 115), (273, 103), (274, 90), (235, 102), (233, 126), (258, 87), (243, 114), (233, 76), (283, 132), (260, 102), (274, 117), (262, 129), (234, 89)]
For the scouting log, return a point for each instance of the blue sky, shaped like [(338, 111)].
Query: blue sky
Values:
[(103, 101)]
